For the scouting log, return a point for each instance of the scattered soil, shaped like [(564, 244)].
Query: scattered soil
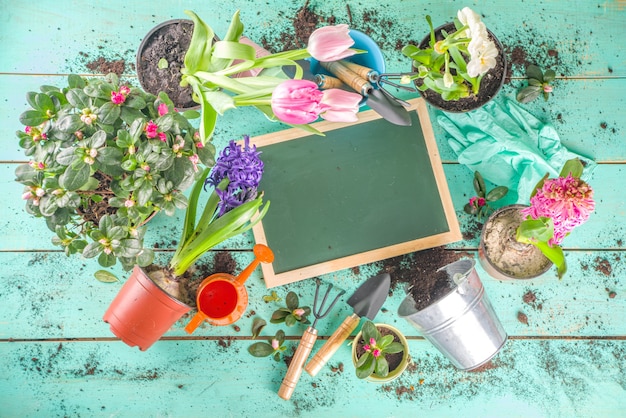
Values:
[(169, 42), (489, 86), (611, 293), (419, 271), (102, 65), (394, 360), (522, 317), (490, 365), (530, 298), (603, 266)]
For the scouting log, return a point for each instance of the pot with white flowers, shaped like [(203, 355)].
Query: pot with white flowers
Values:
[(523, 242), (380, 352), (154, 298), (460, 65), (104, 158)]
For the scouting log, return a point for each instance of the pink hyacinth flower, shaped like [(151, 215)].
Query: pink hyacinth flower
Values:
[(162, 109), (151, 129), (330, 43), (117, 98), (568, 201), (300, 101)]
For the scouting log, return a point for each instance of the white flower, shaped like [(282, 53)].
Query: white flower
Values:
[(482, 60), (448, 81), (468, 17)]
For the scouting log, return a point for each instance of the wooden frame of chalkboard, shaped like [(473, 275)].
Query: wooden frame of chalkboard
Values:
[(364, 192)]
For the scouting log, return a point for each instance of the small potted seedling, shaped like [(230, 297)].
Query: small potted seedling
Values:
[(538, 83), (479, 205)]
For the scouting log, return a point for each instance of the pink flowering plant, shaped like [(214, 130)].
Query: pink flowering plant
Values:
[(273, 347), (557, 206), (479, 205), (104, 157), (375, 347), (455, 65), (538, 84), (214, 71), (292, 313)]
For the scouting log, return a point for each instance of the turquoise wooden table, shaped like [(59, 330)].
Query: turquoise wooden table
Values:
[(58, 358)]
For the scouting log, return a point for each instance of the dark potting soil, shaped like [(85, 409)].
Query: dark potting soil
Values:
[(169, 42), (394, 359), (489, 86), (418, 272), (96, 209)]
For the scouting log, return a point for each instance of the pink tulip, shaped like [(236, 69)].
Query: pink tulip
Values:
[(330, 43), (300, 101)]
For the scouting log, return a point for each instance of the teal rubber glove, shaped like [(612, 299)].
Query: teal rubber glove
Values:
[(508, 146)]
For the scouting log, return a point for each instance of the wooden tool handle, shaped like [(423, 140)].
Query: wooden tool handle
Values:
[(329, 82), (363, 72), (297, 361), (350, 78), (332, 345)]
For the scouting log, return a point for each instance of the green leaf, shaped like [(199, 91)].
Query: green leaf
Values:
[(33, 118), (78, 98), (134, 103), (385, 341), (528, 94), (257, 326), (279, 316), (539, 184), (532, 71), (75, 176), (532, 231), (76, 81), (394, 347), (290, 320), (573, 167), (162, 64), (92, 249), (108, 113), (144, 193), (106, 260), (129, 248), (479, 184), (292, 301), (497, 193), (44, 103), (198, 56), (554, 254), (280, 336), (110, 156), (260, 349), (105, 276), (69, 123), (549, 76), (382, 367), (367, 368), (145, 257)]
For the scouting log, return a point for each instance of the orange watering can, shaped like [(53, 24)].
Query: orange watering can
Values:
[(222, 298)]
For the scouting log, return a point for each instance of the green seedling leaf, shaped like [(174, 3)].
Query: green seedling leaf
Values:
[(479, 184), (105, 276), (257, 326), (528, 94), (573, 167), (292, 301), (162, 64), (273, 297), (533, 71), (497, 193), (549, 76), (260, 349)]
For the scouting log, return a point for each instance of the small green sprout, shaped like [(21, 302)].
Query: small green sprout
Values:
[(479, 205), (538, 82), (292, 313)]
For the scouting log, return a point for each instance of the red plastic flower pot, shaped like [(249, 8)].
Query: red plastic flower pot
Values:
[(142, 312)]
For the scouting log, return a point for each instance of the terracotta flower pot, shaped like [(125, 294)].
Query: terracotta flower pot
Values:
[(490, 85), (142, 312), (357, 347), (501, 255)]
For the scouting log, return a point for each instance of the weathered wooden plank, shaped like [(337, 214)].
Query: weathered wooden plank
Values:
[(604, 229), (582, 39), (48, 296), (530, 378)]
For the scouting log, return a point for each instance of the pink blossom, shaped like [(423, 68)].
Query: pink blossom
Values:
[(37, 165), (298, 311), (162, 109), (568, 201), (376, 352), (194, 160), (547, 88), (125, 90), (275, 344), (151, 129), (300, 101), (373, 341), (330, 43), (129, 203), (366, 347), (117, 98), (162, 136), (28, 130)]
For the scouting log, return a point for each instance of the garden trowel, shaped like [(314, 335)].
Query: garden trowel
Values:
[(366, 302)]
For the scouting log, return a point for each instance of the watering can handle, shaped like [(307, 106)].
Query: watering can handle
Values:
[(295, 367), (195, 321), (331, 346), (262, 254)]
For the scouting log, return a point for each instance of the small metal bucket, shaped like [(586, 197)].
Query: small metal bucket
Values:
[(462, 324)]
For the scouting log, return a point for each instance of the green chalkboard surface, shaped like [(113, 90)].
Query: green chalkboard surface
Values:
[(364, 192)]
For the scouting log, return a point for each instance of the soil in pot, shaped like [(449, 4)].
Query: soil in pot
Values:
[(489, 86), (419, 272), (500, 251), (394, 360), (170, 42)]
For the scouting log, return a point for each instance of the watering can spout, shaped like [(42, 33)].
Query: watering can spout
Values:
[(262, 254)]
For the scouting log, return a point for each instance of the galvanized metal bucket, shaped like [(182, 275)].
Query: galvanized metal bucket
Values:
[(462, 324)]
